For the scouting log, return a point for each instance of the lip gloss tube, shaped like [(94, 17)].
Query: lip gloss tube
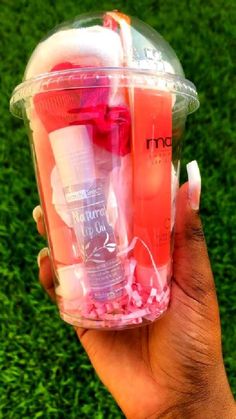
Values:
[(59, 234), (73, 151)]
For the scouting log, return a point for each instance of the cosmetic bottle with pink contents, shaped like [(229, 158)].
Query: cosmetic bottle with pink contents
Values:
[(105, 100)]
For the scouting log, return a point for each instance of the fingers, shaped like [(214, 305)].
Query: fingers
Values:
[(46, 272), (43, 259), (194, 185), (38, 218), (192, 269)]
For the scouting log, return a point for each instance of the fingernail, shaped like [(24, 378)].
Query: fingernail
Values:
[(194, 185), (37, 213), (42, 254)]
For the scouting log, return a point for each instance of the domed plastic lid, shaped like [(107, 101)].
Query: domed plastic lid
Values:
[(111, 47)]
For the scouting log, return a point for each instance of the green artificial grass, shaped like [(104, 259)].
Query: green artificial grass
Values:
[(44, 372)]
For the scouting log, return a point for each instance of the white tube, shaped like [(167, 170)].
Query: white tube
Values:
[(73, 152)]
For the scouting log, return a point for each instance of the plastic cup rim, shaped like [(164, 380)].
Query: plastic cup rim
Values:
[(132, 77)]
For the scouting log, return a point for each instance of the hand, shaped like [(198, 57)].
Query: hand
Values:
[(172, 368)]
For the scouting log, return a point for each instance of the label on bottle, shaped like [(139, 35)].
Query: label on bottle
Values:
[(152, 154), (95, 237)]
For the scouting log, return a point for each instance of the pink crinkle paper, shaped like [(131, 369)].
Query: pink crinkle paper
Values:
[(137, 305)]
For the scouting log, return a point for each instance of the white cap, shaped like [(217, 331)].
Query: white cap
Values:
[(73, 152)]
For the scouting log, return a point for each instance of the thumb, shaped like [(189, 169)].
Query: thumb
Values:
[(191, 264), (194, 301)]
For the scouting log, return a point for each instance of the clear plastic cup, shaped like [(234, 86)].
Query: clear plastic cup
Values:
[(105, 102)]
